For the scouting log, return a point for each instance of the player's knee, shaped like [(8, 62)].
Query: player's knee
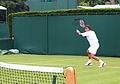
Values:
[(90, 56), (88, 52)]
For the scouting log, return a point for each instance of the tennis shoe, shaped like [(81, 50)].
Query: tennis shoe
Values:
[(102, 65), (89, 64)]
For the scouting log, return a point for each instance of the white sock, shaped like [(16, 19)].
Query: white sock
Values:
[(89, 60), (101, 61)]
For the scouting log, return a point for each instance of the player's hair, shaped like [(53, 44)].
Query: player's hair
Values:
[(88, 26)]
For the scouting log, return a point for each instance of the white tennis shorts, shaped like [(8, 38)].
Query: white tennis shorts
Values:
[(93, 48)]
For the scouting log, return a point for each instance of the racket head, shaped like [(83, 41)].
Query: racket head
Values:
[(79, 22)]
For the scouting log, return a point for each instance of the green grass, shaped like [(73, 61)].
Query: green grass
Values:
[(85, 74)]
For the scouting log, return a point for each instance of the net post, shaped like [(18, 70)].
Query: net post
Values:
[(70, 76)]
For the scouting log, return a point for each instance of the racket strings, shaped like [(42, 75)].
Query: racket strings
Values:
[(79, 22)]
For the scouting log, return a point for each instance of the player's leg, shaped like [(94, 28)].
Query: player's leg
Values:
[(93, 50), (92, 56), (102, 63), (89, 62)]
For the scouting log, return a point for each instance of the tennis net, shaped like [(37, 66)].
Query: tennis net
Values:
[(23, 74)]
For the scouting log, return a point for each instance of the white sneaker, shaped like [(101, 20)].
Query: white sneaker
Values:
[(88, 64), (102, 64)]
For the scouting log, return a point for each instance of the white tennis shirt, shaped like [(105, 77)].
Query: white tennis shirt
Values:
[(91, 37)]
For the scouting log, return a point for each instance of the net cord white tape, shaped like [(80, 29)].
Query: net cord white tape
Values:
[(32, 68)]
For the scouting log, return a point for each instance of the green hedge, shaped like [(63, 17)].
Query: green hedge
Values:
[(63, 12)]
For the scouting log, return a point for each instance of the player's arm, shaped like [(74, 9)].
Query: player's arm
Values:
[(78, 32)]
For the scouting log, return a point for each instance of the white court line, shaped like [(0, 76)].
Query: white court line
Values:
[(115, 67), (80, 66)]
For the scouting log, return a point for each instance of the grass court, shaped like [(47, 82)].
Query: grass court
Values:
[(109, 74)]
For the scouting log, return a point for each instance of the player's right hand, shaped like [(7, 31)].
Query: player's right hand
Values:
[(77, 31)]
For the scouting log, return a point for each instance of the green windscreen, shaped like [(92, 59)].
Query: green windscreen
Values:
[(56, 34), (45, 5), (4, 30), (30, 34)]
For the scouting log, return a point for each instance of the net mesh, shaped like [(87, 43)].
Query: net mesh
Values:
[(14, 74)]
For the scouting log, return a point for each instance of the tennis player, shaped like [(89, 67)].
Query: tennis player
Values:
[(94, 45)]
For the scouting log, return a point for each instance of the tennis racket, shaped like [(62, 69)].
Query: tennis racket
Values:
[(79, 22)]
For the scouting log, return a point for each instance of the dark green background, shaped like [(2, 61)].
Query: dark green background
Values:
[(5, 41), (40, 5), (56, 34), (4, 30)]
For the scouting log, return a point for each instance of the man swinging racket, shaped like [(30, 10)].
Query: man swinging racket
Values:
[(94, 45)]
